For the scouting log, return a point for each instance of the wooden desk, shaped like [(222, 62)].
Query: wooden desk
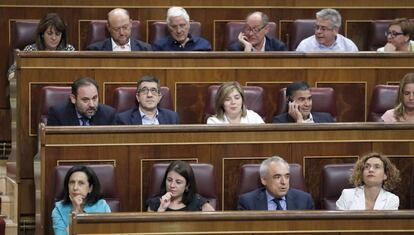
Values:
[(134, 149), (253, 222)]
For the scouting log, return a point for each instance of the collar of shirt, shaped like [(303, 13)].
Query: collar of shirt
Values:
[(147, 120), (309, 120), (178, 44), (271, 205), (116, 47), (328, 48), (263, 47)]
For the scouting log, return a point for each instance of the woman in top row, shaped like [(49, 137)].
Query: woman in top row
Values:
[(399, 35)]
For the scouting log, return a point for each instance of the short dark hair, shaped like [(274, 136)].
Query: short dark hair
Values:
[(84, 81), (93, 180), (54, 20), (296, 86), (185, 170), (148, 78)]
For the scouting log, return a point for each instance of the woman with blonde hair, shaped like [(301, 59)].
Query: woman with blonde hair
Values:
[(373, 175), (230, 106), (404, 109), (399, 35)]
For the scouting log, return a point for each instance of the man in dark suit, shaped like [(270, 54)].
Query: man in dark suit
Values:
[(276, 193), (147, 113), (253, 37), (82, 109), (119, 26), (300, 106)]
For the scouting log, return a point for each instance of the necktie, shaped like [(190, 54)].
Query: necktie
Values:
[(84, 121), (278, 206)]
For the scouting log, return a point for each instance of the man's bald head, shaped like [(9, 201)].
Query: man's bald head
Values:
[(119, 25)]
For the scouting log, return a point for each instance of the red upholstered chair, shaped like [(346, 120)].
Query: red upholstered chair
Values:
[(97, 31), (233, 29), (383, 99), (159, 29), (250, 178), (376, 36), (300, 30), (334, 178), (323, 100), (107, 179), (253, 95), (2, 226), (124, 98), (22, 33), (51, 96), (204, 176)]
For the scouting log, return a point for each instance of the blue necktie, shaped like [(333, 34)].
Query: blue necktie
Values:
[(85, 121), (278, 206)]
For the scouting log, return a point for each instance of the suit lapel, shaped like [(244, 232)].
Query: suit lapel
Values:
[(136, 117), (291, 201), (261, 200), (381, 200)]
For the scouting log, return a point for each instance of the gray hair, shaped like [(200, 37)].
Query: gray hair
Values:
[(177, 11), (265, 164), (330, 14)]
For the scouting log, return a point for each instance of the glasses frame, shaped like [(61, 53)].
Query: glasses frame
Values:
[(393, 34), (322, 28), (146, 90), (253, 30)]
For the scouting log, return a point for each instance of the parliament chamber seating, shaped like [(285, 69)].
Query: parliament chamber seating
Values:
[(204, 177), (22, 34), (106, 176), (2, 226), (124, 98), (383, 99), (323, 100), (300, 30), (97, 31), (253, 99), (376, 36), (334, 178), (51, 96), (159, 29), (250, 178), (233, 29)]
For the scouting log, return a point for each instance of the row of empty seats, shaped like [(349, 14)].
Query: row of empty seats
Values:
[(334, 178), (23, 31), (324, 100)]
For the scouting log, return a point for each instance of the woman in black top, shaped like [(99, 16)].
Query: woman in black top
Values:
[(178, 191)]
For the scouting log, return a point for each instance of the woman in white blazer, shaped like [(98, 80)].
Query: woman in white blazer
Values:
[(372, 176)]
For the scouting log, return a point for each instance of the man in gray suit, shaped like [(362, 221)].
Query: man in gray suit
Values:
[(276, 193)]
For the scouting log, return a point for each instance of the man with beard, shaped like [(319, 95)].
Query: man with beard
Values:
[(253, 37), (276, 193), (300, 106), (82, 109), (148, 96), (119, 26)]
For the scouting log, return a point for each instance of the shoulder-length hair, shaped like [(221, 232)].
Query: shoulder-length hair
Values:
[(393, 174), (93, 180), (224, 90), (399, 104), (53, 20), (184, 169)]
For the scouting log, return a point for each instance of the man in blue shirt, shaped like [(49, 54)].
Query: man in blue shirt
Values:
[(276, 193), (180, 39), (327, 37)]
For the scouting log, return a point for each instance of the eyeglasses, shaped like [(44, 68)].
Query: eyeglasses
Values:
[(145, 91), (322, 28), (393, 34), (178, 26), (124, 27), (247, 29)]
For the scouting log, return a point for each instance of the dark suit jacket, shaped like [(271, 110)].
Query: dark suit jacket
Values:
[(65, 115), (106, 45), (133, 117), (256, 200), (318, 117), (271, 45)]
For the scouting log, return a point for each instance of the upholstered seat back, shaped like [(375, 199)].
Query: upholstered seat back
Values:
[(323, 100), (107, 179), (124, 98), (204, 176), (376, 36), (250, 177), (334, 178), (300, 30), (159, 29), (97, 31), (233, 29), (51, 96), (383, 98), (253, 99)]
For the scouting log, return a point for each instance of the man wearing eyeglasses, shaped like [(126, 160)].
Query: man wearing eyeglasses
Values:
[(180, 38), (254, 36), (147, 113), (327, 37), (119, 26)]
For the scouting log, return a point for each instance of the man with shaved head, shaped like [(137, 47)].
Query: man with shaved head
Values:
[(119, 26), (253, 37)]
